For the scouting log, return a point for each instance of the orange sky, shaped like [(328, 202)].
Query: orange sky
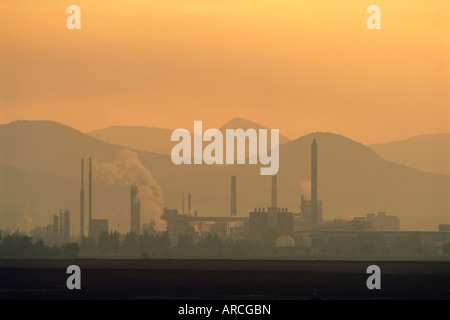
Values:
[(300, 66)]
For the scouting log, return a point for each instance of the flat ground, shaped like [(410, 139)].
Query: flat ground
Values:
[(222, 279)]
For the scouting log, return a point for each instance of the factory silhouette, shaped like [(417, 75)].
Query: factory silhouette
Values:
[(274, 226)]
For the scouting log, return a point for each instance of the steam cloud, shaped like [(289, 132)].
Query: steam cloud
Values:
[(28, 218), (305, 187), (128, 170)]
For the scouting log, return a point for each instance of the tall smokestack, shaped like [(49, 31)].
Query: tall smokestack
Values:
[(314, 182), (82, 201), (189, 203), (233, 208), (90, 196), (274, 192), (135, 211), (182, 202)]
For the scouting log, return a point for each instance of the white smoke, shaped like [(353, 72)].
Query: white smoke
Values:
[(305, 187), (128, 170), (28, 218), (15, 230)]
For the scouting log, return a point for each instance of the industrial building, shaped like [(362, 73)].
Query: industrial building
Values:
[(284, 222), (232, 226), (96, 226), (64, 226), (383, 222), (222, 226), (305, 208), (192, 224), (177, 224), (310, 215), (280, 219), (56, 233)]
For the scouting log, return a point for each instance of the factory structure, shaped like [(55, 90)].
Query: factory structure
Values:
[(290, 226), (56, 233), (96, 226), (190, 223), (59, 231), (305, 226), (279, 219)]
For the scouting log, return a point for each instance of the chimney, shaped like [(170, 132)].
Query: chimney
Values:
[(135, 211), (233, 209), (274, 192), (314, 219), (189, 203), (182, 202), (90, 195), (82, 201)]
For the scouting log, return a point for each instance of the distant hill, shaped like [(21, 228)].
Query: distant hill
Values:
[(429, 152), (241, 123), (40, 163), (157, 140), (140, 138), (50, 147)]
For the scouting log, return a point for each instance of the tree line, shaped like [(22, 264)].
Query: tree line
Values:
[(159, 245)]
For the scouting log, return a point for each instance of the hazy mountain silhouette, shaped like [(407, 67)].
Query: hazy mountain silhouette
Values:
[(429, 152), (51, 147), (158, 139), (241, 123), (40, 163), (139, 138)]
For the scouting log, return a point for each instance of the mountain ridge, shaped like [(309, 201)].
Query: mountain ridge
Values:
[(353, 180), (430, 152), (158, 140)]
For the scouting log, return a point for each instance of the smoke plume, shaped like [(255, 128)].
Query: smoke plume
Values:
[(28, 219), (305, 187), (128, 170)]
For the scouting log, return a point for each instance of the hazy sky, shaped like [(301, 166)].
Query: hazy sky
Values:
[(300, 66)]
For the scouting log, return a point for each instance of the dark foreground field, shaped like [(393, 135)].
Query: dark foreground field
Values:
[(222, 279)]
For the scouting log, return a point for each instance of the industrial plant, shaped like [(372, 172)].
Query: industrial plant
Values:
[(305, 226), (274, 225)]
